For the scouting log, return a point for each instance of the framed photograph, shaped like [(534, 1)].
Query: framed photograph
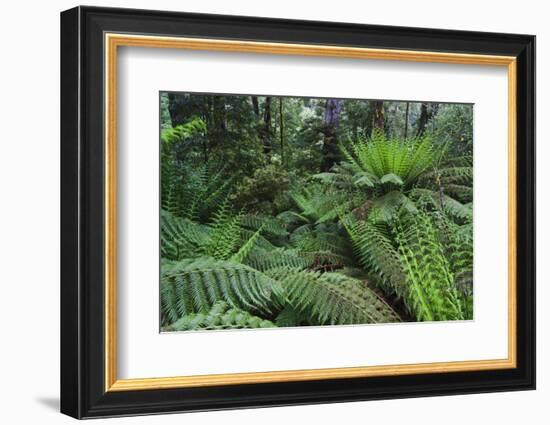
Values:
[(261, 212)]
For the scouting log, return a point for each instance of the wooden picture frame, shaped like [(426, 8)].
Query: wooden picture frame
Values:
[(90, 38)]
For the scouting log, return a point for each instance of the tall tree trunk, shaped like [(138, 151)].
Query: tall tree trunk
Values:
[(267, 125), (172, 108), (427, 112), (282, 131), (255, 106), (406, 120), (379, 119), (333, 107), (368, 120)]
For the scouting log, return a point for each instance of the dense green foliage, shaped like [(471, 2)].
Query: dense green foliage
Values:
[(294, 212)]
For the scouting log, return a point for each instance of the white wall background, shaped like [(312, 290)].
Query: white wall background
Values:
[(29, 213)]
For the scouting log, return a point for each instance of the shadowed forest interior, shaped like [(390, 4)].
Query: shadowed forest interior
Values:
[(291, 211)]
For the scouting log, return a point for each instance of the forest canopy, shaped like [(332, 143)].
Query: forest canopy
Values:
[(290, 211)]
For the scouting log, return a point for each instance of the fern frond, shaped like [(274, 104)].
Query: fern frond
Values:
[(280, 257), (433, 294), (194, 285), (385, 207), (321, 205), (180, 237), (292, 217), (260, 241), (374, 248), (460, 192), (332, 298), (443, 203), (314, 240), (224, 236), (458, 244), (245, 249), (183, 131), (270, 225), (192, 194), (290, 317), (453, 175), (220, 316), (390, 160)]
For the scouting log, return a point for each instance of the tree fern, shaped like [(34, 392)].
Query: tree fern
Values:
[(391, 160)]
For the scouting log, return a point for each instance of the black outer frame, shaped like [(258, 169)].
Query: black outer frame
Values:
[(82, 212)]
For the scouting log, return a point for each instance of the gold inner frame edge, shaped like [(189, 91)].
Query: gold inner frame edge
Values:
[(113, 41)]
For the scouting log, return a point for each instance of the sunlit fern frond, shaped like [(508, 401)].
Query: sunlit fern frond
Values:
[(182, 132), (391, 161), (433, 294), (221, 316)]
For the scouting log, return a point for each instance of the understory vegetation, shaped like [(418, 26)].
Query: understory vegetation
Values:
[(280, 212)]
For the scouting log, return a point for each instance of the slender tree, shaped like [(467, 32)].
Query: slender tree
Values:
[(379, 118), (406, 120), (427, 113), (255, 105), (282, 131), (267, 125), (331, 120)]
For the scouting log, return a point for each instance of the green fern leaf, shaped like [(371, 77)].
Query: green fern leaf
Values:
[(332, 298), (220, 317)]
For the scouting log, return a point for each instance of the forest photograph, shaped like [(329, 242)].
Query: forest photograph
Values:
[(293, 211)]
